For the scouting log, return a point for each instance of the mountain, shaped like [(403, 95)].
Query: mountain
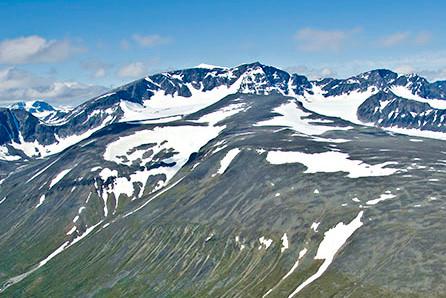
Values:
[(173, 94), (215, 182), (42, 110), (176, 93)]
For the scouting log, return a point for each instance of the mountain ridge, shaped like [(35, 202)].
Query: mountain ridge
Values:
[(180, 92)]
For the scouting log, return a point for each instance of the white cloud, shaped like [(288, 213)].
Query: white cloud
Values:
[(150, 40), (96, 68), (132, 70), (20, 85), (35, 49), (314, 40), (405, 38), (394, 39)]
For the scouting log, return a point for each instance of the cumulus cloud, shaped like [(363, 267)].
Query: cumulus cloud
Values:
[(96, 68), (20, 85), (405, 38), (35, 49), (314, 40), (150, 40), (132, 70)]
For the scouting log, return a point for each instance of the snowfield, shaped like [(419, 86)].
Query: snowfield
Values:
[(295, 118), (329, 162), (343, 106)]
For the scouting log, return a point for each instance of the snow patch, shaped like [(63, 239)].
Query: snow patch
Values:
[(265, 243), (285, 243), (404, 92), (329, 162), (226, 161), (292, 116), (382, 197), (59, 177), (41, 200), (333, 241), (315, 225)]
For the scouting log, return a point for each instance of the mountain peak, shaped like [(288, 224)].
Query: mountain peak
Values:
[(379, 73)]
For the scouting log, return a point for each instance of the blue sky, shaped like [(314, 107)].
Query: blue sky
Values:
[(68, 51)]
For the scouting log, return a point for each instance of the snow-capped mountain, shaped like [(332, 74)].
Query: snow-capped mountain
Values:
[(37, 129), (42, 110)]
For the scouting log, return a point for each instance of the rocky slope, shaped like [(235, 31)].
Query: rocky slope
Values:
[(252, 196)]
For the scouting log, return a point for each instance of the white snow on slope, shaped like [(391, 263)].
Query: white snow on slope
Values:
[(226, 160), (43, 170), (137, 112), (182, 139), (293, 117), (4, 154), (385, 196), (333, 241), (59, 177), (293, 268), (41, 200), (403, 91), (162, 105), (302, 253), (315, 225), (343, 106), (107, 173), (72, 230), (329, 162), (120, 185), (265, 243), (42, 263), (153, 110), (178, 141), (285, 243), (33, 149), (223, 113)]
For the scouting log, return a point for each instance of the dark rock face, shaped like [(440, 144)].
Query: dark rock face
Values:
[(16, 123), (8, 126), (383, 80), (385, 109), (379, 79)]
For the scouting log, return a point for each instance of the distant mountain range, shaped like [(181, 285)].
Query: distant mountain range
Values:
[(379, 97)]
